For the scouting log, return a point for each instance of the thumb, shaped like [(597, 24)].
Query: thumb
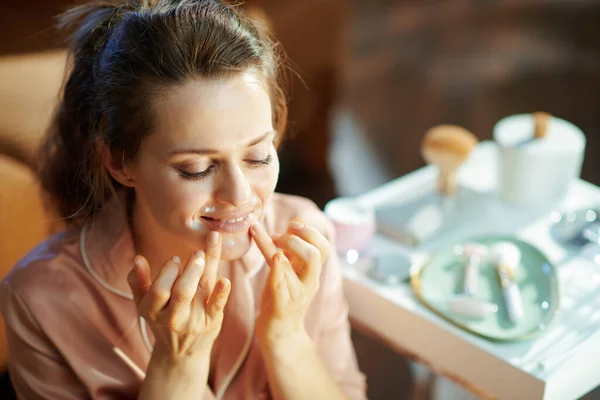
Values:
[(139, 278)]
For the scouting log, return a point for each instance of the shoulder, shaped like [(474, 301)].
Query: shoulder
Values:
[(287, 207), (47, 273)]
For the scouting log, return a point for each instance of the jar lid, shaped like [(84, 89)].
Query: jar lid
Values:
[(518, 131)]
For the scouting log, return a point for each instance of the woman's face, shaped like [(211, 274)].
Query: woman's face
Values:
[(211, 163)]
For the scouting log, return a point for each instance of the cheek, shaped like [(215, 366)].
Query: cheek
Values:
[(265, 179), (167, 193)]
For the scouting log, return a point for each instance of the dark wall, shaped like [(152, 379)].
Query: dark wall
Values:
[(417, 64)]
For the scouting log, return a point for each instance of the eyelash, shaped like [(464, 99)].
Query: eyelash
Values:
[(201, 175)]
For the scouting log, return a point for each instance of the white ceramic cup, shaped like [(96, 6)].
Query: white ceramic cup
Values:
[(537, 171), (354, 225)]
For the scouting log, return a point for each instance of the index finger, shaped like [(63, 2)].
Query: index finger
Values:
[(263, 241), (213, 257), (311, 235)]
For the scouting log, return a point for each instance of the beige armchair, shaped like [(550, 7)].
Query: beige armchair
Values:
[(28, 94), (29, 90)]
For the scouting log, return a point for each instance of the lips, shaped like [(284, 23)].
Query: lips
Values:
[(229, 223), (226, 220)]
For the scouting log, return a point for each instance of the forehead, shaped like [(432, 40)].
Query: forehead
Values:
[(208, 113)]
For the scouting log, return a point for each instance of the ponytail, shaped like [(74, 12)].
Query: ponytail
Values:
[(70, 167)]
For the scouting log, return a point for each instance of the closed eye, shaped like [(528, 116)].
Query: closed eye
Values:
[(203, 174), (197, 175), (265, 161)]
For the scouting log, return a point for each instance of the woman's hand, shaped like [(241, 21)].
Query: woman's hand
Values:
[(183, 306), (295, 259)]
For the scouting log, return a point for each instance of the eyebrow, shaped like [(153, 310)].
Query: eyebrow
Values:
[(212, 151)]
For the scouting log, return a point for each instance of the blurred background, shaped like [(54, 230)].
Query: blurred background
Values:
[(372, 77)]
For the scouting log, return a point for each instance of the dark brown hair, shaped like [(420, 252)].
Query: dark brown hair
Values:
[(122, 53)]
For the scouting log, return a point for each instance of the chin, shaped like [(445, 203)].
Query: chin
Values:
[(235, 246)]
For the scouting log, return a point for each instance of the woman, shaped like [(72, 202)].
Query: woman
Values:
[(182, 274)]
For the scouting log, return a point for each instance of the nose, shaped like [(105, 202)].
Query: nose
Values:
[(234, 188)]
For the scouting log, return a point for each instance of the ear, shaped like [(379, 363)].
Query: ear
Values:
[(121, 172)]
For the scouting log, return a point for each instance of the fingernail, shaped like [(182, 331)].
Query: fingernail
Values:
[(277, 256), (200, 254), (296, 225), (175, 259), (213, 238), (254, 226), (222, 285)]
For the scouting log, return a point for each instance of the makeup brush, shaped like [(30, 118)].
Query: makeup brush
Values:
[(465, 303), (447, 146), (474, 254), (506, 256)]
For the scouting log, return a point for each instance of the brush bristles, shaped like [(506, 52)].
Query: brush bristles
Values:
[(506, 254)]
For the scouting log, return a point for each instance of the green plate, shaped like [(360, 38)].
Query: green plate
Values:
[(442, 277)]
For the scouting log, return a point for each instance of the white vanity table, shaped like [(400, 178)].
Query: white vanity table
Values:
[(562, 362)]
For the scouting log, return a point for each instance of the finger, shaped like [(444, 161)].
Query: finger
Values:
[(296, 259), (139, 279), (296, 262), (308, 254), (264, 242), (160, 291), (213, 257), (186, 286), (311, 235), (218, 298), (287, 268), (293, 283), (276, 281), (184, 291), (292, 257)]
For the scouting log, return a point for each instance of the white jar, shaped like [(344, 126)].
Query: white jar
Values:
[(536, 171)]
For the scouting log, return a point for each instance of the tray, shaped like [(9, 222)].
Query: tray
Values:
[(441, 278)]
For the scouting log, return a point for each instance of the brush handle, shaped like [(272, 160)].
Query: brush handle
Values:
[(471, 275), (541, 120), (513, 301), (447, 182)]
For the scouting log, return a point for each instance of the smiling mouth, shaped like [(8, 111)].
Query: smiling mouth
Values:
[(228, 221), (226, 224)]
